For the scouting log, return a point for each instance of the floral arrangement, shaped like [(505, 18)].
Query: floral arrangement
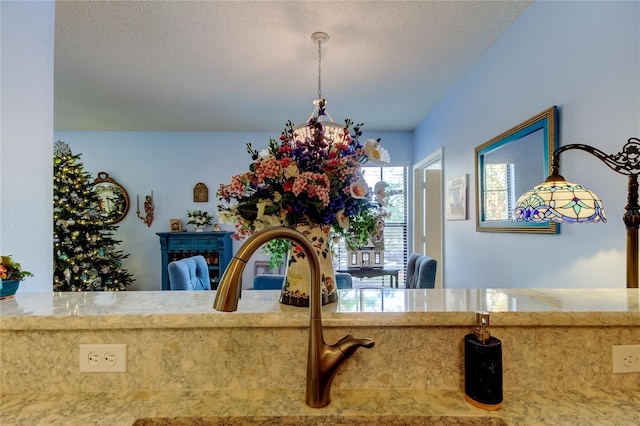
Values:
[(11, 270), (306, 180), (199, 218)]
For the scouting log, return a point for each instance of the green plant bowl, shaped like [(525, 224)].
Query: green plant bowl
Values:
[(8, 288)]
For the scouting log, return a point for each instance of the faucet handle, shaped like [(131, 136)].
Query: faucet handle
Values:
[(349, 344), (365, 342)]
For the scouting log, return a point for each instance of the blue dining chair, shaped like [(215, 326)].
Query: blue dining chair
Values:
[(191, 273)]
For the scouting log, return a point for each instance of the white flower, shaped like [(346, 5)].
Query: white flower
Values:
[(291, 171), (225, 216), (271, 221), (264, 154), (261, 206), (375, 153), (381, 194), (343, 220), (265, 222), (359, 189)]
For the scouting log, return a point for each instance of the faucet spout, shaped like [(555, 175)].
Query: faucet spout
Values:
[(323, 360)]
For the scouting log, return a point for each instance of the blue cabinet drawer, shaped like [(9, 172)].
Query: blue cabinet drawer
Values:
[(180, 243), (210, 244)]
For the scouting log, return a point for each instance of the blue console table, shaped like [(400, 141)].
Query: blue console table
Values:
[(214, 246)]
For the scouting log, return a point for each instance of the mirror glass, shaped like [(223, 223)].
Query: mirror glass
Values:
[(114, 200), (508, 166)]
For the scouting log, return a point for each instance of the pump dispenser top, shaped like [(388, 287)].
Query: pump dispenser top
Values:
[(482, 332)]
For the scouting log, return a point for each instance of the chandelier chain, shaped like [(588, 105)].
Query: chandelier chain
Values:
[(319, 69)]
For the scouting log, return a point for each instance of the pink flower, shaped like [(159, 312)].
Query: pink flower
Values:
[(237, 184), (268, 168), (316, 185)]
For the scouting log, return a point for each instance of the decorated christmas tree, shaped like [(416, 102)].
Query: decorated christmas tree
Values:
[(85, 255)]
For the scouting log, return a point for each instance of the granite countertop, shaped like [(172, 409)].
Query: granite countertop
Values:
[(377, 306), (364, 307), (360, 406)]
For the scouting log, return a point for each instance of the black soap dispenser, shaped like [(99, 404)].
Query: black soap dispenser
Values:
[(483, 366)]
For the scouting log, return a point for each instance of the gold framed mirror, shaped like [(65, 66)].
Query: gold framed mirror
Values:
[(507, 166), (114, 200)]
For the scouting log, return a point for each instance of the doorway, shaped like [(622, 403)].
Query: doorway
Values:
[(428, 210)]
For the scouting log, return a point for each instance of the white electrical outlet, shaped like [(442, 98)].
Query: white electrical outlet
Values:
[(626, 358), (103, 358)]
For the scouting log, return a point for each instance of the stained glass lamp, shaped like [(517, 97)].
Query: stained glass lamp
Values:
[(560, 201), (557, 200)]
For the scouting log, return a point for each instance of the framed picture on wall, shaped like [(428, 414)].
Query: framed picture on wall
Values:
[(200, 193), (456, 198), (175, 225)]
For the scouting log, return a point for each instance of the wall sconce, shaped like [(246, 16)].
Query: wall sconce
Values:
[(560, 201), (148, 209)]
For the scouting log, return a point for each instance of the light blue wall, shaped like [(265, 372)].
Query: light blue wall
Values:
[(26, 166), (583, 57), (171, 164)]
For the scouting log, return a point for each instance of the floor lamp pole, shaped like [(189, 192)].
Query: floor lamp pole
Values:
[(631, 220)]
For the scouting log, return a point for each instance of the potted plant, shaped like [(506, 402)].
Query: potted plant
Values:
[(199, 219), (11, 273)]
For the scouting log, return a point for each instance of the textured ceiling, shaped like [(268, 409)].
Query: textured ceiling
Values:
[(251, 66)]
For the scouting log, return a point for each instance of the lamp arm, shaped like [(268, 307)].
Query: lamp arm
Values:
[(626, 162)]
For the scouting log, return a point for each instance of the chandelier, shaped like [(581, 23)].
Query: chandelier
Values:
[(333, 133)]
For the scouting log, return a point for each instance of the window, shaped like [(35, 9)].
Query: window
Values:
[(499, 195), (395, 228)]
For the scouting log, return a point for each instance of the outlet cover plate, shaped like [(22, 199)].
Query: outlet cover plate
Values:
[(626, 358), (103, 358)]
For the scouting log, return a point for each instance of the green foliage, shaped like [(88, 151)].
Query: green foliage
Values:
[(277, 251), (364, 226), (12, 270), (199, 217), (84, 253)]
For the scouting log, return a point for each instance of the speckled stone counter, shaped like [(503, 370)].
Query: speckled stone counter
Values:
[(366, 306), (187, 361), (348, 407)]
